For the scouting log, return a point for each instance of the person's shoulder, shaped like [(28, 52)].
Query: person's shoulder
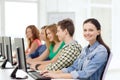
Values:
[(74, 42), (101, 48), (75, 45), (62, 43), (51, 46), (36, 40)]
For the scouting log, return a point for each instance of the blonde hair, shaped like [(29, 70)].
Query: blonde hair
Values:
[(53, 29)]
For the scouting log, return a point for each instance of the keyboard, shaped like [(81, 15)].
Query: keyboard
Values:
[(37, 76)]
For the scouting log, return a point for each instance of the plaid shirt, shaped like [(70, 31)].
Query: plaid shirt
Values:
[(68, 55)]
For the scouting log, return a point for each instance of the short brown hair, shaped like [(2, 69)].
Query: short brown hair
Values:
[(67, 24)]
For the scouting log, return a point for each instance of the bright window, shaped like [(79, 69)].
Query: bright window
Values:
[(18, 15)]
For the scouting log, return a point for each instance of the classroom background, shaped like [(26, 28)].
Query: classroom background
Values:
[(16, 15)]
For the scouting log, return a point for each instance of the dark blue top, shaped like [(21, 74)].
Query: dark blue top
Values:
[(38, 51)]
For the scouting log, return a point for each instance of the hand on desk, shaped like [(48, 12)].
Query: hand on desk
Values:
[(32, 66), (29, 61), (42, 67), (50, 74), (56, 74)]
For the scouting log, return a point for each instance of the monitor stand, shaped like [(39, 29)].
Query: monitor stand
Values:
[(3, 66), (13, 74)]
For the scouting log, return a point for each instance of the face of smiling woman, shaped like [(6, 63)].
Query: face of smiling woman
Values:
[(29, 33), (50, 35), (90, 32)]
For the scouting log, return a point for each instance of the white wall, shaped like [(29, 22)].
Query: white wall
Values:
[(82, 10), (2, 22), (0, 17), (42, 12), (109, 18), (47, 6), (115, 34)]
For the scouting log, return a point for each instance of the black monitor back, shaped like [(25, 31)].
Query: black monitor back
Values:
[(20, 51), (8, 49)]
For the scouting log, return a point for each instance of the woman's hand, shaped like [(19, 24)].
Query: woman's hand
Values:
[(56, 75), (32, 66), (50, 74), (42, 67), (29, 60)]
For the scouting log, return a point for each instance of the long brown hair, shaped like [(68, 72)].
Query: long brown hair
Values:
[(35, 33)]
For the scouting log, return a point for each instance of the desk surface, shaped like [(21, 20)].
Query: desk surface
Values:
[(5, 74)]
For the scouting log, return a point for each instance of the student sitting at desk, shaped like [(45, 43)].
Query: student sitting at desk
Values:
[(42, 47), (53, 46), (35, 47), (92, 60), (68, 54), (33, 39)]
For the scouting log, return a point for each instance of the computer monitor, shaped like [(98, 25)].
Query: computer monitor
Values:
[(7, 52), (20, 51), (21, 60), (8, 49), (19, 44), (2, 47)]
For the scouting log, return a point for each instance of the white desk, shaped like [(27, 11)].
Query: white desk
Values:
[(5, 74)]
